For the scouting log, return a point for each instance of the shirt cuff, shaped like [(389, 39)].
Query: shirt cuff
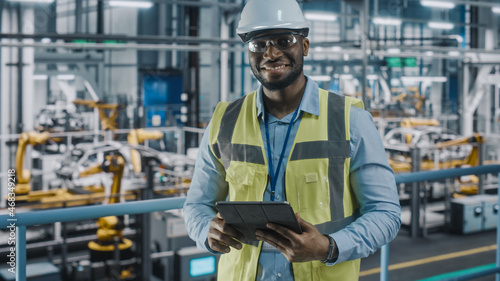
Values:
[(344, 246)]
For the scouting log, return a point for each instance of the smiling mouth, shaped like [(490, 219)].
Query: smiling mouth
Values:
[(274, 68)]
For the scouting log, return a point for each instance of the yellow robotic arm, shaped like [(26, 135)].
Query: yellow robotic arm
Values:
[(113, 164), (414, 122), (24, 176), (108, 122), (473, 158), (136, 137)]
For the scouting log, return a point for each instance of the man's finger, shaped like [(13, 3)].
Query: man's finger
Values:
[(284, 231)]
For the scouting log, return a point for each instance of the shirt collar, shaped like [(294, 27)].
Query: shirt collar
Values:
[(309, 104)]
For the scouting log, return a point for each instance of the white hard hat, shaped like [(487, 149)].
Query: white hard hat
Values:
[(259, 15)]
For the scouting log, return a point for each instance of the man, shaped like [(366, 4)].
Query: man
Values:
[(292, 141)]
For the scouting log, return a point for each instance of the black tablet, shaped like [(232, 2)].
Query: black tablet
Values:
[(247, 217)]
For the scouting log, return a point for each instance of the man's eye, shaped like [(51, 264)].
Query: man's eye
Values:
[(259, 44), (283, 42)]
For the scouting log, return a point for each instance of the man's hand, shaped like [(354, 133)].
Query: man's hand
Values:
[(221, 236), (308, 246)]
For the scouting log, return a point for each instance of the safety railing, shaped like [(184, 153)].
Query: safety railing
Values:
[(439, 175), (17, 222)]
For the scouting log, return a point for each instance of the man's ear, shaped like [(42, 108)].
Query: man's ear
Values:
[(305, 46)]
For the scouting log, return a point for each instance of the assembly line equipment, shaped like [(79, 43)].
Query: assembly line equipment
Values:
[(139, 207)]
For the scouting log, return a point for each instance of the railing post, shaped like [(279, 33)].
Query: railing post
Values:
[(497, 275), (146, 194), (415, 195), (21, 253), (384, 262), (480, 184)]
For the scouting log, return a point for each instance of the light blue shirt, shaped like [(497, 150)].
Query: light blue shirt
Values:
[(371, 177)]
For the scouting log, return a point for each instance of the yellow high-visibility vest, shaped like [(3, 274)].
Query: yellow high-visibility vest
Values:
[(316, 177)]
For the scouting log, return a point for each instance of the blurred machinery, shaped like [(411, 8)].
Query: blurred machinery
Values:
[(138, 136), (108, 119), (430, 159), (110, 242), (23, 176), (474, 213), (58, 118)]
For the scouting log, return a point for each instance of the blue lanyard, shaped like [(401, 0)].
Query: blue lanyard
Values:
[(274, 178)]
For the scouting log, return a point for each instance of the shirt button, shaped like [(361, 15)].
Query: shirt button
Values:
[(280, 123), (279, 275), (278, 198)]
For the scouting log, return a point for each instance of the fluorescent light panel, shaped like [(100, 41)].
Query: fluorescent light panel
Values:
[(66, 77), (40, 77), (441, 25), (33, 1), (131, 4), (441, 79), (320, 16), (437, 4), (386, 21), (496, 10), (393, 51), (321, 78)]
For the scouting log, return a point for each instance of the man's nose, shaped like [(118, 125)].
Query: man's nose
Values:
[(271, 51)]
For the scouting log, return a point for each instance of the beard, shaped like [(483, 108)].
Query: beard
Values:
[(283, 83)]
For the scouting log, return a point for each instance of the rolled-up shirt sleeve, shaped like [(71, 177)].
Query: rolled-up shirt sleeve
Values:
[(374, 185), (207, 187)]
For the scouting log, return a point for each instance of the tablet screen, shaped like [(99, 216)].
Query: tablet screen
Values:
[(247, 217)]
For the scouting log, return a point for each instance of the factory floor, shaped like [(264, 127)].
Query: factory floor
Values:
[(437, 254)]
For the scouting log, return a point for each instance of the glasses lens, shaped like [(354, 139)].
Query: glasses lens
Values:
[(257, 45), (284, 41), (280, 42)]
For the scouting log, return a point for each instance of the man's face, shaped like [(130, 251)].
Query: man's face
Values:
[(277, 69)]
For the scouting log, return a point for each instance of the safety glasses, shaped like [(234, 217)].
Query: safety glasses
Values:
[(280, 41)]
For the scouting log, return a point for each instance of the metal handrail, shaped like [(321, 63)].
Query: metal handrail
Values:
[(22, 220), (438, 175)]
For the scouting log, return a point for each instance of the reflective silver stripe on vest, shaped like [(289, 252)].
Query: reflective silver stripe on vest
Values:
[(336, 149), (227, 151), (336, 133), (320, 149)]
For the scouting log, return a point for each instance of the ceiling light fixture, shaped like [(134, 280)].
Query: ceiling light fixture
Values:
[(33, 1), (441, 79), (40, 77), (393, 51), (496, 9), (320, 78), (437, 4), (65, 77), (131, 4), (386, 21), (346, 76), (320, 16), (441, 25)]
